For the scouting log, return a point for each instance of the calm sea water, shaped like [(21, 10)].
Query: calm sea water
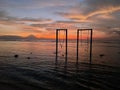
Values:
[(34, 69)]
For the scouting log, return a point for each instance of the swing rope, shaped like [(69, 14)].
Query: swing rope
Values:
[(61, 44), (81, 37), (87, 43)]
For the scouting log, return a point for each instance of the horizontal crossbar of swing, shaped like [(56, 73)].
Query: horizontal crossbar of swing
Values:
[(83, 29), (61, 29)]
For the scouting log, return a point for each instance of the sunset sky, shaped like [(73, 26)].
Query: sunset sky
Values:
[(42, 17)]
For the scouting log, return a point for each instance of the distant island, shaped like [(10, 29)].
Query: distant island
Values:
[(19, 38)]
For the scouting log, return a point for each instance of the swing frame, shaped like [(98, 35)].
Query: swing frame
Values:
[(66, 40), (77, 53)]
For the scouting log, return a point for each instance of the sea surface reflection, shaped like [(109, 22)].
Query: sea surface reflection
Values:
[(39, 72)]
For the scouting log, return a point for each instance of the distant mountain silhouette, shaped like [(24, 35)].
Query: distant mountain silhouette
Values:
[(10, 37), (17, 38), (31, 37)]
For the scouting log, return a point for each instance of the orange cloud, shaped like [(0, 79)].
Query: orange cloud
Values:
[(82, 17)]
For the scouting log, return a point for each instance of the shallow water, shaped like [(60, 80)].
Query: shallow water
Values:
[(40, 73)]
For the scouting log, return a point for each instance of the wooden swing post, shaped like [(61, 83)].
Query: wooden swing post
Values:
[(77, 52)]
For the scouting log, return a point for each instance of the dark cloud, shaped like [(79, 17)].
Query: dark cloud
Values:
[(89, 6), (29, 29), (117, 32), (34, 4), (6, 19), (2, 14), (95, 3), (40, 25), (34, 19)]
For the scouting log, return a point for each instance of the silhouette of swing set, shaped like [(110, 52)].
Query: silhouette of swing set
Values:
[(65, 40)]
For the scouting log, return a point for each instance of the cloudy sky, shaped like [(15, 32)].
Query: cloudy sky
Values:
[(42, 17)]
